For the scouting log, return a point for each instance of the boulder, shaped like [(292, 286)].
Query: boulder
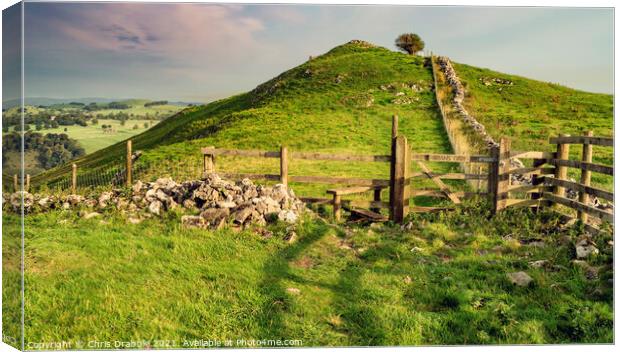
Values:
[(520, 278), (155, 207)]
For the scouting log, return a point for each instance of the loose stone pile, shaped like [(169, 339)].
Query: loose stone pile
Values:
[(218, 201)]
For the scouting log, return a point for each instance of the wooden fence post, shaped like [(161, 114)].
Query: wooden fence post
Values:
[(536, 179), (499, 178), (15, 183), (402, 162), (74, 179), (586, 157), (284, 166), (337, 207), (493, 177), (503, 181), (561, 171), (393, 160), (27, 188), (208, 163), (129, 164)]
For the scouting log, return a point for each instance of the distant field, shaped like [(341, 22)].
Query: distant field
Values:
[(92, 137)]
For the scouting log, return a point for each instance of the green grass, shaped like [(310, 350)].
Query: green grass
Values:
[(92, 137), (529, 112), (443, 282)]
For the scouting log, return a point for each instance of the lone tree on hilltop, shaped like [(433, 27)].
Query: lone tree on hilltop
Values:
[(410, 43)]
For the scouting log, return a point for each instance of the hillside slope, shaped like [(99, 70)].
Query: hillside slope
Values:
[(529, 112), (340, 101)]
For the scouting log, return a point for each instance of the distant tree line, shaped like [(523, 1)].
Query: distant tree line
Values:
[(53, 149), (154, 103)]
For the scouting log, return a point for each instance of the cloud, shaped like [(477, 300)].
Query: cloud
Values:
[(161, 29)]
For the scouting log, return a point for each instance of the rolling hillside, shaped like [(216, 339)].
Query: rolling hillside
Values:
[(529, 112), (340, 101), (343, 101)]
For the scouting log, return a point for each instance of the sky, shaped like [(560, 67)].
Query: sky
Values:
[(201, 52)]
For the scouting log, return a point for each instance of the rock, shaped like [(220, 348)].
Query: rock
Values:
[(585, 248), (226, 204), (214, 214), (189, 204), (193, 221), (137, 187), (288, 216), (539, 264), (104, 198), (290, 237), (75, 199), (91, 215), (520, 278), (590, 272), (155, 207)]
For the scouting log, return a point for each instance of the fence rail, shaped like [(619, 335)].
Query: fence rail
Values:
[(548, 172)]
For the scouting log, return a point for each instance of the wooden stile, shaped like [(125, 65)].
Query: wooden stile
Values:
[(392, 158), (586, 175)]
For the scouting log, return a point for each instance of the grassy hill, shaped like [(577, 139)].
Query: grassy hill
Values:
[(340, 102), (529, 112)]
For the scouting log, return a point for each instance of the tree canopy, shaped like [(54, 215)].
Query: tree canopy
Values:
[(410, 43)]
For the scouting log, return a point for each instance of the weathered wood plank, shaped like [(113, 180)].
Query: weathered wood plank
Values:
[(451, 176), (284, 166), (237, 176), (368, 214), (532, 155), (576, 164), (402, 158), (503, 182), (602, 141), (577, 187), (246, 153), (440, 194), (315, 200), (511, 202), (586, 175), (442, 186), (527, 188), (340, 180), (352, 190), (429, 209), (366, 203), (340, 157), (452, 158), (607, 216), (529, 171)]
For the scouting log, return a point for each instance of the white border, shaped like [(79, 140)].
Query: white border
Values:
[(495, 3)]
